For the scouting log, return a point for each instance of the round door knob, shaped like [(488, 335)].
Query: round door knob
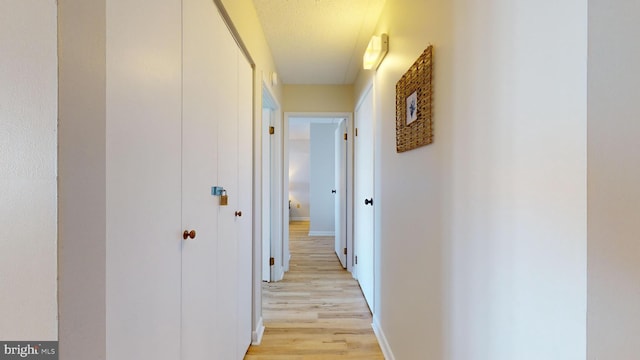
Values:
[(368, 201), (189, 234), (238, 213)]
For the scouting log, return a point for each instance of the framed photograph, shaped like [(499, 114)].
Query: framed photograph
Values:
[(414, 123), (412, 107)]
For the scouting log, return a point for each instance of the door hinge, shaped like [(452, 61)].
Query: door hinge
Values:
[(356, 131), (272, 261), (356, 259), (272, 130), (345, 251), (345, 136)]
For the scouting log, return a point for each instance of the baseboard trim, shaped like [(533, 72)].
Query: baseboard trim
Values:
[(322, 233), (256, 335), (382, 340), (300, 219)]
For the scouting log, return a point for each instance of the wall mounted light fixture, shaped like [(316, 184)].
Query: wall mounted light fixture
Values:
[(376, 50)]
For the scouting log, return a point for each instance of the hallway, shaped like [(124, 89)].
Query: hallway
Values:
[(317, 311)]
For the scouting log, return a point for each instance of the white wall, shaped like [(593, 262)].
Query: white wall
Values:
[(318, 98), (614, 177), (486, 227), (299, 180), (143, 177), (28, 195), (322, 159), (82, 173)]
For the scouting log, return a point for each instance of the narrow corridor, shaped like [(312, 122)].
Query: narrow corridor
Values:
[(317, 311)]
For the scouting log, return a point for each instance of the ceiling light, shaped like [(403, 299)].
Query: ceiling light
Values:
[(376, 50)]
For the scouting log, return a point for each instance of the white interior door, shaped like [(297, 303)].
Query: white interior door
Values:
[(277, 199), (363, 227), (217, 151), (244, 216), (340, 196), (272, 221), (199, 173), (227, 254), (283, 183), (266, 191)]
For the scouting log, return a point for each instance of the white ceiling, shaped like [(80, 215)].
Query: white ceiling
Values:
[(318, 41)]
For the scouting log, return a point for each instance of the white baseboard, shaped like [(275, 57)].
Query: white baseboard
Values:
[(300, 219), (256, 335), (322, 233), (382, 340)]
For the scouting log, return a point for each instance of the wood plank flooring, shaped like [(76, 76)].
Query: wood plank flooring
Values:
[(317, 311)]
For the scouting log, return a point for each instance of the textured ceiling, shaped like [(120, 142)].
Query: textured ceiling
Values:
[(318, 41)]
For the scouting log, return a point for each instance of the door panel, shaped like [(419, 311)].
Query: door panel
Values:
[(340, 196), (217, 151), (199, 172), (266, 191), (227, 254), (363, 227), (278, 249), (244, 222)]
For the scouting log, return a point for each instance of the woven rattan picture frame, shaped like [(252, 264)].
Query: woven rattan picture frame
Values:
[(414, 123)]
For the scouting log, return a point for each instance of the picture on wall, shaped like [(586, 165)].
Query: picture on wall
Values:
[(412, 107), (414, 123)]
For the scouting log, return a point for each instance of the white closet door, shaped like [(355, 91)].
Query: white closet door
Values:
[(199, 173), (217, 151), (226, 63), (245, 203), (363, 195), (143, 162)]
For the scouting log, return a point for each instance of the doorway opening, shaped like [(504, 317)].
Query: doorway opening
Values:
[(327, 205), (284, 200), (318, 179)]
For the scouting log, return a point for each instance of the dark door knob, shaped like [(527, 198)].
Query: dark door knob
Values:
[(368, 201), (238, 213), (189, 234), (333, 191)]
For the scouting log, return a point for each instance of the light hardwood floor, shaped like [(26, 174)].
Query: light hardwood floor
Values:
[(317, 311)]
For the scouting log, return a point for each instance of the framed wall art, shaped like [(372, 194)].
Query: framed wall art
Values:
[(414, 123)]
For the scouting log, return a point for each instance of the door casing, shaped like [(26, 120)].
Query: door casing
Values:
[(285, 179)]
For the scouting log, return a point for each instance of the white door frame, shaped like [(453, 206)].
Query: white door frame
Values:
[(285, 180)]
